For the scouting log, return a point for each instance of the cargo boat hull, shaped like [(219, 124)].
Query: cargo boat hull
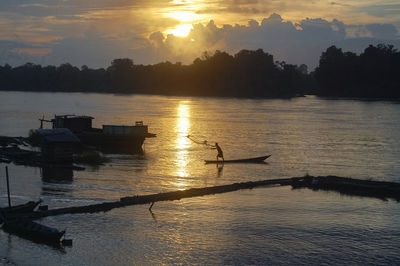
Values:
[(113, 143)]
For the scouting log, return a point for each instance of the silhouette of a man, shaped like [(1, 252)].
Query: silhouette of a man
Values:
[(220, 153)]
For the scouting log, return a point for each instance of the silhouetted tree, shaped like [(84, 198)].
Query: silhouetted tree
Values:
[(245, 74), (121, 74), (375, 73)]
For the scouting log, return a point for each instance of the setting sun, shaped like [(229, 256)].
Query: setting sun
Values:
[(187, 18), (181, 30)]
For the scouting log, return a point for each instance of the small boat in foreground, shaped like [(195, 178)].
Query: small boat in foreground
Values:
[(23, 208), (15, 211), (33, 230), (30, 229), (260, 159)]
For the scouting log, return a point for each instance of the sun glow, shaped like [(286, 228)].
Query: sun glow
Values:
[(182, 30), (185, 18)]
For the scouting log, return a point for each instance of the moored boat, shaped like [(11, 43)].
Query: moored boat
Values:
[(33, 230), (109, 138), (29, 229), (23, 208)]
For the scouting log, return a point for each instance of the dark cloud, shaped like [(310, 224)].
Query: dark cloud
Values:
[(382, 31), (71, 8), (374, 30), (10, 53)]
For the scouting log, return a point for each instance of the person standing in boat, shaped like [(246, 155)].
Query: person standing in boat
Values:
[(220, 153)]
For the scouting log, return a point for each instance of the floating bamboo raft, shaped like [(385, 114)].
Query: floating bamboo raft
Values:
[(376, 189)]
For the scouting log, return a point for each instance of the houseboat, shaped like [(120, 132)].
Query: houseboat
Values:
[(109, 138)]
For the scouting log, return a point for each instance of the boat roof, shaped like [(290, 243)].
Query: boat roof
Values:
[(73, 116), (58, 135)]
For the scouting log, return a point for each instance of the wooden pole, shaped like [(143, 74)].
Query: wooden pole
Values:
[(8, 188)]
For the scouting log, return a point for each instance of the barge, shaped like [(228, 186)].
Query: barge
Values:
[(109, 138)]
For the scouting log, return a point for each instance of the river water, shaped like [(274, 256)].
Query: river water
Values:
[(279, 225)]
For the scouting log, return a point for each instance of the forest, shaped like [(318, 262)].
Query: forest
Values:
[(375, 73)]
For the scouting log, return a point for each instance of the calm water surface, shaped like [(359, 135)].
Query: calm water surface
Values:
[(261, 226)]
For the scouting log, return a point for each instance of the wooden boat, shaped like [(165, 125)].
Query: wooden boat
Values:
[(260, 159), (23, 208), (31, 230)]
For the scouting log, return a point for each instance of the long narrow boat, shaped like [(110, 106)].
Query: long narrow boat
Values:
[(23, 208), (260, 159), (33, 230)]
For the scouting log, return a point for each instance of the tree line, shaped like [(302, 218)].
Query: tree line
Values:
[(375, 73), (249, 74), (245, 74)]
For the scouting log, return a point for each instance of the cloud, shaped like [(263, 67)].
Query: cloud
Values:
[(382, 31), (96, 37), (298, 43), (382, 10), (17, 53), (37, 51), (72, 7), (373, 30)]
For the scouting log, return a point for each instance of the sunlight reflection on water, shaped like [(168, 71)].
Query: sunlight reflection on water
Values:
[(182, 142), (260, 226)]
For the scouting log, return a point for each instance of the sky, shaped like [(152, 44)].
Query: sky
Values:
[(94, 32)]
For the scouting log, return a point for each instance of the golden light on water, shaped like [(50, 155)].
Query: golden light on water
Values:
[(182, 142)]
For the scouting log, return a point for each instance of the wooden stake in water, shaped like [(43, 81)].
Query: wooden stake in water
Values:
[(8, 188)]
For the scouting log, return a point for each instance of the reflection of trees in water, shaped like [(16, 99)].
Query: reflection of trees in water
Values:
[(56, 180), (62, 175), (122, 148), (126, 162)]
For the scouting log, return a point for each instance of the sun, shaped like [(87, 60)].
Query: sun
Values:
[(185, 20), (182, 30)]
